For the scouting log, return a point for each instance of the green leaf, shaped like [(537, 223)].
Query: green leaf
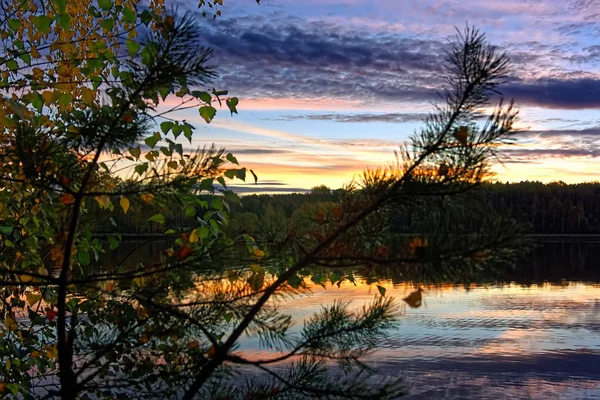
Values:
[(129, 15), (12, 65), (166, 126), (145, 17), (42, 23), (108, 24), (207, 184), (14, 24), (208, 113), (190, 211), (158, 218), (83, 257), (96, 81), (176, 130), (105, 4), (65, 98), (232, 159), (232, 104), (64, 21), (26, 57), (165, 91), (113, 242), (217, 204), (205, 97), (187, 132), (152, 140), (295, 281), (135, 151), (141, 168), (381, 290), (133, 48), (37, 101), (6, 230)]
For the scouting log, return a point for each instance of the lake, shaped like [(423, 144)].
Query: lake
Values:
[(534, 336)]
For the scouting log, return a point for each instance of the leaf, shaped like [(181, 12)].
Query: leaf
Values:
[(462, 134), (232, 104), (135, 151), (414, 300), (133, 48), (232, 159), (14, 24), (257, 280), (51, 314), (10, 323), (381, 289), (64, 20), (83, 257), (33, 298), (42, 23), (103, 201), (204, 96), (194, 236), (88, 95), (158, 218), (12, 65), (208, 113), (141, 168), (105, 4), (129, 15), (152, 140), (52, 351), (113, 241), (147, 198), (67, 199), (173, 164), (124, 202), (166, 126)]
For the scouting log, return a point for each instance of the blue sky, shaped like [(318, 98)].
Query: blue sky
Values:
[(330, 87)]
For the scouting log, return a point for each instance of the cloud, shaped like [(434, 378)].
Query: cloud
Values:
[(581, 93), (279, 56), (353, 118)]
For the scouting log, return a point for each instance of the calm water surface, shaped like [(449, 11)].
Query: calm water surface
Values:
[(526, 340)]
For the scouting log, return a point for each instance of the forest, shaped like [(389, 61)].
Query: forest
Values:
[(552, 208)]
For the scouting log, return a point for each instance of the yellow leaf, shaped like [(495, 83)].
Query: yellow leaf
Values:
[(193, 236), (52, 352), (34, 52), (25, 278), (147, 197), (47, 95), (88, 95), (103, 201), (35, 354), (10, 323), (33, 298), (257, 254), (38, 73), (109, 286), (124, 204), (8, 364)]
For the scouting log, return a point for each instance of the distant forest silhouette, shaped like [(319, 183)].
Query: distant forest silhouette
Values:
[(553, 208)]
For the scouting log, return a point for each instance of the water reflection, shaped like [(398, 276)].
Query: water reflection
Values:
[(524, 339)]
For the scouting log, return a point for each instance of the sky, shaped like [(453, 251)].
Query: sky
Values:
[(328, 88)]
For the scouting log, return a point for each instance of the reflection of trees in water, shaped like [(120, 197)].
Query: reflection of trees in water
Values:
[(548, 261)]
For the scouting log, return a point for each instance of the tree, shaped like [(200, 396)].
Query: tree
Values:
[(169, 329)]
